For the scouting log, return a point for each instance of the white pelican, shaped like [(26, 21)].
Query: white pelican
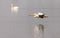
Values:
[(14, 8), (38, 15)]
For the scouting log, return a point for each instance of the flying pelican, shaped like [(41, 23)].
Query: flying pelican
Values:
[(38, 15)]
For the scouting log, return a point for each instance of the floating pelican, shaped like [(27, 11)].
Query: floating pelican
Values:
[(14, 9), (38, 15)]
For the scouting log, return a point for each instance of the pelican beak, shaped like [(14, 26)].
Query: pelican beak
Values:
[(32, 14)]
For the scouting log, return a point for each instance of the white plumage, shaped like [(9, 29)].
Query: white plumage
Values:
[(14, 9)]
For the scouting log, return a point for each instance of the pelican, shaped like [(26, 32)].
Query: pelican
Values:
[(38, 15), (14, 8)]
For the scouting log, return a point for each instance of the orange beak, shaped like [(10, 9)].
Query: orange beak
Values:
[(32, 14)]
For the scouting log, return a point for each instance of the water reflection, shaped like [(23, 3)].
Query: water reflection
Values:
[(39, 31)]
